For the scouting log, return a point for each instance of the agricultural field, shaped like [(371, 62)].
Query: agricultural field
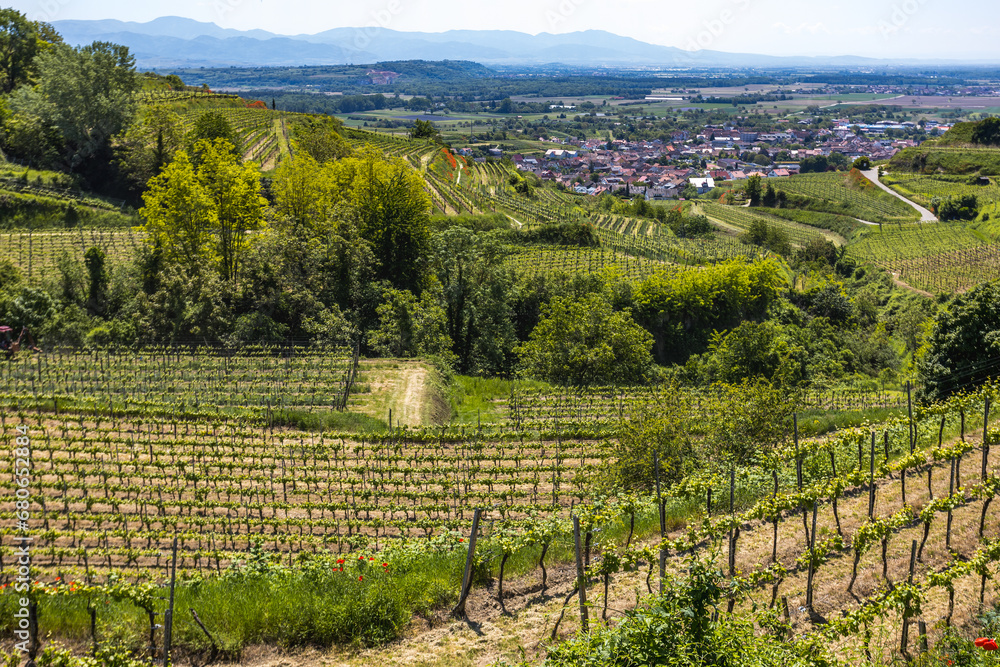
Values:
[(849, 194), (262, 133), (36, 253), (118, 490), (739, 219), (256, 384), (541, 260), (923, 188), (940, 258)]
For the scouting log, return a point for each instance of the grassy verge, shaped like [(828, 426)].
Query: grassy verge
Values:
[(475, 399), (357, 599)]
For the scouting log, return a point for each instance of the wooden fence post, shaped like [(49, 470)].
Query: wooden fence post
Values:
[(459, 609), (581, 577)]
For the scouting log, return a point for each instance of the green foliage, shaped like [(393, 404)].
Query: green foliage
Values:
[(964, 343), (765, 235), (322, 141), (211, 126), (663, 426), (424, 129), (580, 234), (180, 215), (678, 629), (149, 144), (410, 327), (83, 97), (754, 190), (583, 342), (203, 214), (392, 209), (862, 164), (986, 132), (234, 189), (956, 207), (682, 308), (21, 41), (818, 251), (476, 293), (931, 158), (758, 350)]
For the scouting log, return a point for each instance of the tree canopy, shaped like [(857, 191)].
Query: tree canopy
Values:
[(585, 342), (963, 348)]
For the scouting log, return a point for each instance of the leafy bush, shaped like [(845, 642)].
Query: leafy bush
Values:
[(677, 629), (956, 207), (586, 342)]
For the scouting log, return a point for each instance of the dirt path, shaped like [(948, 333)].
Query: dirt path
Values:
[(899, 283), (925, 215), (411, 396)]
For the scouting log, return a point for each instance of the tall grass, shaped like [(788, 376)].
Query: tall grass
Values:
[(314, 603)]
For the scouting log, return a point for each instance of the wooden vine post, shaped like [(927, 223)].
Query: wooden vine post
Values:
[(663, 523), (812, 562), (798, 473), (951, 492), (871, 482), (986, 437), (459, 609), (168, 617), (581, 580), (905, 638), (774, 521), (913, 437), (734, 532), (836, 514)]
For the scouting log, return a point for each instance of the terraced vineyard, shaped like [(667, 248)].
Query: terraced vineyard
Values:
[(36, 253), (737, 217), (605, 407), (923, 188), (850, 194), (114, 491), (118, 490), (541, 260), (262, 134), (254, 383), (943, 257)]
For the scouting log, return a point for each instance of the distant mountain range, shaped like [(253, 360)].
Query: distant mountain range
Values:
[(172, 41)]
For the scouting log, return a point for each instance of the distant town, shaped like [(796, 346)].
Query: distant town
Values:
[(663, 170)]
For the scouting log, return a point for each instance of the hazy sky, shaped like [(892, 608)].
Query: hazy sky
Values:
[(883, 28)]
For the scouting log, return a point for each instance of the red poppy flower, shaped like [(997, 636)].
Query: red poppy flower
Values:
[(385, 565), (461, 539), (371, 558), (361, 578), (340, 561), (990, 645), (980, 642)]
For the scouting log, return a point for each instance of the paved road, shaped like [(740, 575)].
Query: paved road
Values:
[(925, 215)]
